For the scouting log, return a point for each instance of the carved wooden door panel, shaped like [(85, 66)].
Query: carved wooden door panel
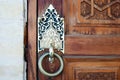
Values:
[(92, 39)]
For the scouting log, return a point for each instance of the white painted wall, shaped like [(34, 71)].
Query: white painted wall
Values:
[(11, 39)]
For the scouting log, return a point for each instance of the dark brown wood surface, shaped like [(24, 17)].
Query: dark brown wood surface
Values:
[(92, 39), (92, 45), (91, 68), (31, 49)]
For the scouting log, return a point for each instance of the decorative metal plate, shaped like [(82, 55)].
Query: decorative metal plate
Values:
[(50, 30)]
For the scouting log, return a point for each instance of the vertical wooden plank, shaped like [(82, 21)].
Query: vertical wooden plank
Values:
[(31, 55), (42, 6)]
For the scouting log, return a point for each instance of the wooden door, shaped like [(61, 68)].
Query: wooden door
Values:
[(92, 39)]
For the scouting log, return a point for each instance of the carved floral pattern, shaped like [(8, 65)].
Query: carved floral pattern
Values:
[(115, 10), (100, 9), (97, 76), (85, 6), (101, 3)]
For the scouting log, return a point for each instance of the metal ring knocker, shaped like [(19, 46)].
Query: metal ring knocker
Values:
[(50, 74), (48, 54)]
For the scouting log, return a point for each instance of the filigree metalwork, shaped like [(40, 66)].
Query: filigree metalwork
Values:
[(50, 30)]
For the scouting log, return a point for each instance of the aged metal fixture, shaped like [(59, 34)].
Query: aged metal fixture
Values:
[(51, 36), (50, 74)]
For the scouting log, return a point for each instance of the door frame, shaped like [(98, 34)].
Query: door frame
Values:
[(31, 40)]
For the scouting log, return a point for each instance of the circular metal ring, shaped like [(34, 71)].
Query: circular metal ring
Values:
[(50, 74)]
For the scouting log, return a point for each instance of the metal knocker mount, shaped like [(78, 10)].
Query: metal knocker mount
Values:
[(51, 36)]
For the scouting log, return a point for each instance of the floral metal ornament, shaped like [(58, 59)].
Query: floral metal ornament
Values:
[(50, 30)]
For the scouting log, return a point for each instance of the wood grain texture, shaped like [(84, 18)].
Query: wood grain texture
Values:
[(88, 35), (43, 5), (79, 68), (92, 45), (90, 17), (31, 55)]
